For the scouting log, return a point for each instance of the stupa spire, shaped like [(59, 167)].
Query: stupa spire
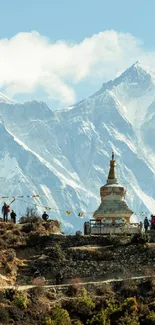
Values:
[(113, 206), (112, 179)]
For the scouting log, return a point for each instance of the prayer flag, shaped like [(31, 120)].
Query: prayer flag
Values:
[(68, 213)]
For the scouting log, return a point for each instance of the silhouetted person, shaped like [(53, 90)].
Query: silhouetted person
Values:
[(45, 216), (146, 224), (5, 211), (13, 216)]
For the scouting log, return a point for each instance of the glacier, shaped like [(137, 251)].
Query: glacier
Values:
[(64, 154)]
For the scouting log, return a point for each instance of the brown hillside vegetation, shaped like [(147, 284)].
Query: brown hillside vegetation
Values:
[(15, 236), (123, 304), (66, 263)]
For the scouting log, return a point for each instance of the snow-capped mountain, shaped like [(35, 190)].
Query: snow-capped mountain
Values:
[(65, 154)]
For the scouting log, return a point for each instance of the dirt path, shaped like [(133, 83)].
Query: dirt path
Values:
[(27, 287)]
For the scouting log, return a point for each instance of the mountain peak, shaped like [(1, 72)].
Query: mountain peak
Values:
[(138, 66), (137, 74)]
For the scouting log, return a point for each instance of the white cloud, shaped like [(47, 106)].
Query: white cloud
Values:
[(29, 61)]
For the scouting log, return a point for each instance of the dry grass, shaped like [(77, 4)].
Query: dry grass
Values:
[(18, 234), (91, 248)]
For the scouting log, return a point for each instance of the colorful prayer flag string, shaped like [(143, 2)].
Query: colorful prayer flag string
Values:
[(67, 212)]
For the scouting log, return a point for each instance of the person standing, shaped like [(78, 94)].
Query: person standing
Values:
[(153, 222), (5, 211), (45, 216), (13, 216), (146, 224)]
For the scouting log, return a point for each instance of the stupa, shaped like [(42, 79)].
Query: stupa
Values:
[(113, 207)]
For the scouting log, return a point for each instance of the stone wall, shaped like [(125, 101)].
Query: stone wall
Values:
[(71, 241), (100, 263), (87, 257)]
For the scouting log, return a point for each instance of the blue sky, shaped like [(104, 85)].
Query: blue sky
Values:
[(77, 19), (72, 21)]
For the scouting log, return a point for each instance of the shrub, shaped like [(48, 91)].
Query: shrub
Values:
[(84, 304), (60, 316), (9, 294), (11, 255), (8, 268), (144, 309), (20, 300), (100, 319), (57, 254), (30, 217), (113, 310), (128, 320), (130, 305), (105, 289), (48, 321), (4, 315), (150, 318)]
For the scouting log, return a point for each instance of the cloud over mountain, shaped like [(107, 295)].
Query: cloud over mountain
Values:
[(30, 61)]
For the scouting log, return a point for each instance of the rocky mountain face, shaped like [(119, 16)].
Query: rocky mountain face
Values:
[(65, 154)]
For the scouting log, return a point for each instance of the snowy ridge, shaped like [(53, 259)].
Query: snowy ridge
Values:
[(5, 99), (65, 154)]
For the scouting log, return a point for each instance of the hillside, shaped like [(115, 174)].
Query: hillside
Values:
[(65, 154), (84, 280)]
